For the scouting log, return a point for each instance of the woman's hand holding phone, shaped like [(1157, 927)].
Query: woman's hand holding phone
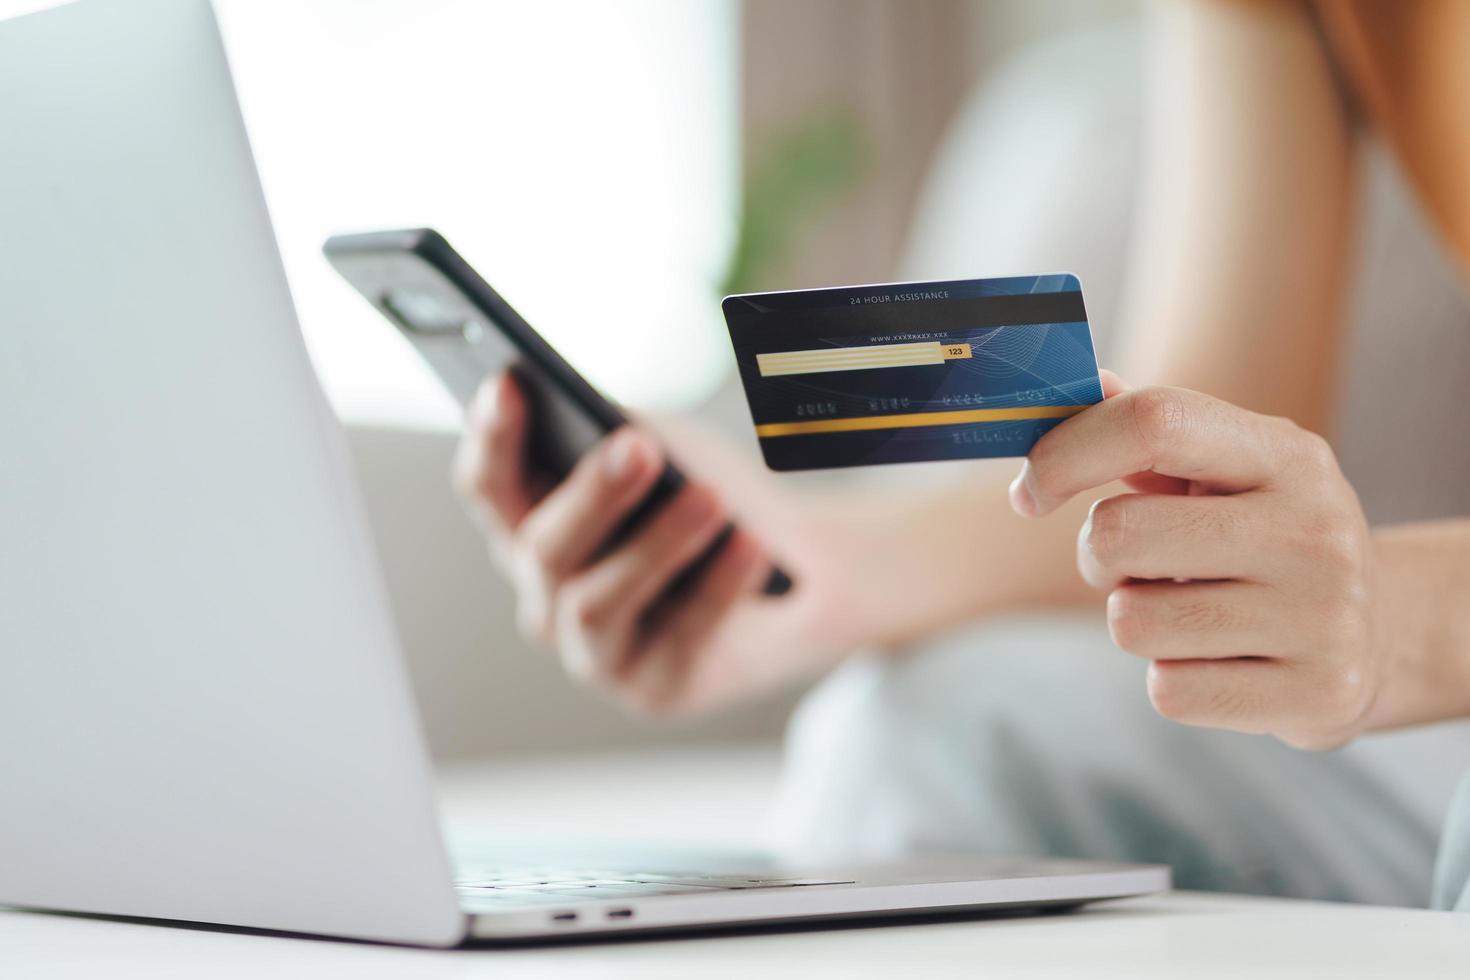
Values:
[(607, 611)]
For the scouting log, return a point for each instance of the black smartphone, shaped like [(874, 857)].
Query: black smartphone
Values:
[(466, 331)]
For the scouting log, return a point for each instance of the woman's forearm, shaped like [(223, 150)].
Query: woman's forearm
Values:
[(1422, 603), (915, 562), (1244, 224), (884, 567)]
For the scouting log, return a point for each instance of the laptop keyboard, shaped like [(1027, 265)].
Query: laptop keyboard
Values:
[(484, 890)]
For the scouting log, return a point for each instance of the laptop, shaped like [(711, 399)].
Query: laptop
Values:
[(204, 713)]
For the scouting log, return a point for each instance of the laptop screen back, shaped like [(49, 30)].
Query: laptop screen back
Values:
[(203, 714)]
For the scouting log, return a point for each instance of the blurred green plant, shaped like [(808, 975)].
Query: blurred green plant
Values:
[(802, 171)]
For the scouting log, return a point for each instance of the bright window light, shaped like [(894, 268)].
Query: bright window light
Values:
[(581, 154)]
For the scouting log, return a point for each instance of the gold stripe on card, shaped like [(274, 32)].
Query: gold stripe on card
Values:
[(916, 420)]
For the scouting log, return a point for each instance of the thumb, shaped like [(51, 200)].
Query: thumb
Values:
[(1112, 384)]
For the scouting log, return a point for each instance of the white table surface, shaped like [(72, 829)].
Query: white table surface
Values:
[(718, 797), (1182, 936)]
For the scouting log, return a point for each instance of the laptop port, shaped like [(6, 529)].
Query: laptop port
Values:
[(564, 917), (620, 913)]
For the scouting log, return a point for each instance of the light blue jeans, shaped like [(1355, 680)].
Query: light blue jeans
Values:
[(1035, 735), (1452, 876)]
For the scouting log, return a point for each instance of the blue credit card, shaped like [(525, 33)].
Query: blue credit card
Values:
[(901, 373)]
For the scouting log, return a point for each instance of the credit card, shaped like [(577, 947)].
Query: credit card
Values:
[(909, 372)]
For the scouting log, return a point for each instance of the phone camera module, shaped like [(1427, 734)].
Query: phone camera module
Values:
[(423, 312)]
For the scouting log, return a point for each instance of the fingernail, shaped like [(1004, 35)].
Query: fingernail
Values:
[(625, 455), (708, 506), (579, 663), (502, 393), (1022, 501), (482, 406), (489, 401)]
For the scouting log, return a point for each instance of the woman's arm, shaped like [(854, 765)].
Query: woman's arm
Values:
[(1246, 211), (1422, 612), (1235, 289)]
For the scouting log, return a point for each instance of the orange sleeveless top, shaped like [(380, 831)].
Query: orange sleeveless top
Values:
[(1407, 65)]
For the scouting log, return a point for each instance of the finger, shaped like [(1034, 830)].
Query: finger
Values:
[(1147, 482), (1168, 431), (574, 520), (616, 591), (1159, 536), (1309, 705), (490, 465), (656, 679), (1113, 384), (1197, 620), (1239, 694)]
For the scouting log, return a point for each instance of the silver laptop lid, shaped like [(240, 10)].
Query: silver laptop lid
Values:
[(203, 714)]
